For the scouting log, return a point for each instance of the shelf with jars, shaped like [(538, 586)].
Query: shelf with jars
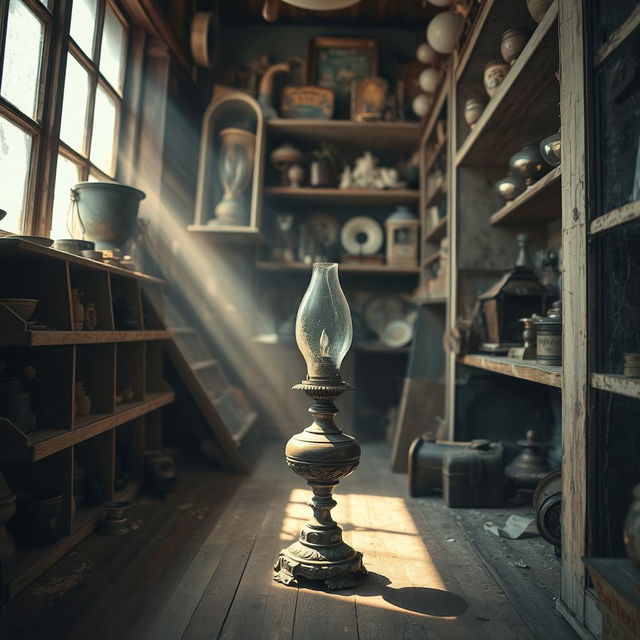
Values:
[(494, 94), (80, 370)]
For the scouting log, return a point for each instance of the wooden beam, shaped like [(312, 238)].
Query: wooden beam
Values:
[(148, 14), (575, 384)]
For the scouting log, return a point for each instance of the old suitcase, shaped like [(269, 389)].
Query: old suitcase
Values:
[(473, 476), (425, 464)]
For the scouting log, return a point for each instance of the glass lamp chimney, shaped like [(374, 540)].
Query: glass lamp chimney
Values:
[(323, 324)]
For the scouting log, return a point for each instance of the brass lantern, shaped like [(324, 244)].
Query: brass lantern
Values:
[(518, 294)]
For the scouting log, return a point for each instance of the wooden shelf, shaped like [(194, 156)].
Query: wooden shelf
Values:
[(438, 232), (525, 106), (427, 299), (437, 193), (539, 203), (616, 383), (379, 348), (51, 338), (390, 136), (226, 233), (622, 215), (431, 258), (45, 442), (345, 268), (435, 154), (30, 563), (382, 197), (14, 247), (522, 369)]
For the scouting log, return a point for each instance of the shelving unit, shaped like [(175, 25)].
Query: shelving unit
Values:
[(523, 369), (361, 280), (365, 197), (345, 268), (105, 360), (538, 204), (530, 85), (384, 136)]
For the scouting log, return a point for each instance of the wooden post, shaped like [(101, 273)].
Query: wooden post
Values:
[(575, 379)]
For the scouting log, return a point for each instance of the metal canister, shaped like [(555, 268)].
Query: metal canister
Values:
[(631, 367), (549, 336)]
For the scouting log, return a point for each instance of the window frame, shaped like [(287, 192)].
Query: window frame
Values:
[(45, 129)]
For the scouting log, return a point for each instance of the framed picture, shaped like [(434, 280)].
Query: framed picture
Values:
[(334, 63), (368, 99)]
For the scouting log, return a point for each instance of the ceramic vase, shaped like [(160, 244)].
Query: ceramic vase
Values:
[(473, 108), (632, 529), (77, 310), (7, 511), (513, 42), (494, 74), (538, 8), (528, 164)]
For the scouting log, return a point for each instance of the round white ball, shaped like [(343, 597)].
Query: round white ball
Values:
[(444, 30), (440, 3), (421, 104), (428, 79), (426, 54)]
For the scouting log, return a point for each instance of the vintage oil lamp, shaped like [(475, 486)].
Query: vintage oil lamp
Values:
[(518, 294), (322, 454)]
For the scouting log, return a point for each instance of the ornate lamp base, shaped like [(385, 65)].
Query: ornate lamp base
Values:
[(321, 454)]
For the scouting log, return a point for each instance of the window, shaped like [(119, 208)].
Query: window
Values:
[(93, 66), (26, 27)]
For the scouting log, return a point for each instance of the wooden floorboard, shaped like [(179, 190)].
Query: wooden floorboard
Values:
[(434, 574)]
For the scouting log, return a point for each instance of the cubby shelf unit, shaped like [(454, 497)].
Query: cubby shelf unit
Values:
[(125, 351)]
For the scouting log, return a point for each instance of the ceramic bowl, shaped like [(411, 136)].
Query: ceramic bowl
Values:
[(71, 245), (510, 187), (513, 42), (473, 108), (41, 240), (92, 254), (551, 148), (494, 74), (538, 8), (23, 307), (528, 164)]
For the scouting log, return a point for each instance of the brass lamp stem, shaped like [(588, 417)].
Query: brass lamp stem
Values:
[(321, 454)]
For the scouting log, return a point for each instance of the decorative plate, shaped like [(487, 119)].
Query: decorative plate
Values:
[(398, 333), (379, 311), (362, 236)]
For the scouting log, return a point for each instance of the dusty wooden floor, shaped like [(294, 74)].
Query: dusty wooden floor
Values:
[(200, 566)]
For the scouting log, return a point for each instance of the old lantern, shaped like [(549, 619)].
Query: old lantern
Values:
[(518, 294)]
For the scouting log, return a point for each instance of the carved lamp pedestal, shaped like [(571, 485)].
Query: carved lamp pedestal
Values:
[(322, 454)]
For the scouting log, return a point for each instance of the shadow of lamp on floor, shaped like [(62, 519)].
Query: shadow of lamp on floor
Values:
[(322, 454)]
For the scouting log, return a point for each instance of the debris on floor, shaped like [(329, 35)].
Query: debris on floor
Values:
[(515, 527)]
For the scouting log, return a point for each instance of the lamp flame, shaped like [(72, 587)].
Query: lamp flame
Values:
[(324, 344)]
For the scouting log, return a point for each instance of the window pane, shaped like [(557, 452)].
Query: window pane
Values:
[(67, 174), (104, 130), (22, 58), (83, 22), (15, 158), (112, 49), (74, 104)]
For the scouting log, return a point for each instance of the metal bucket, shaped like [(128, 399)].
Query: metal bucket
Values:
[(107, 211)]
